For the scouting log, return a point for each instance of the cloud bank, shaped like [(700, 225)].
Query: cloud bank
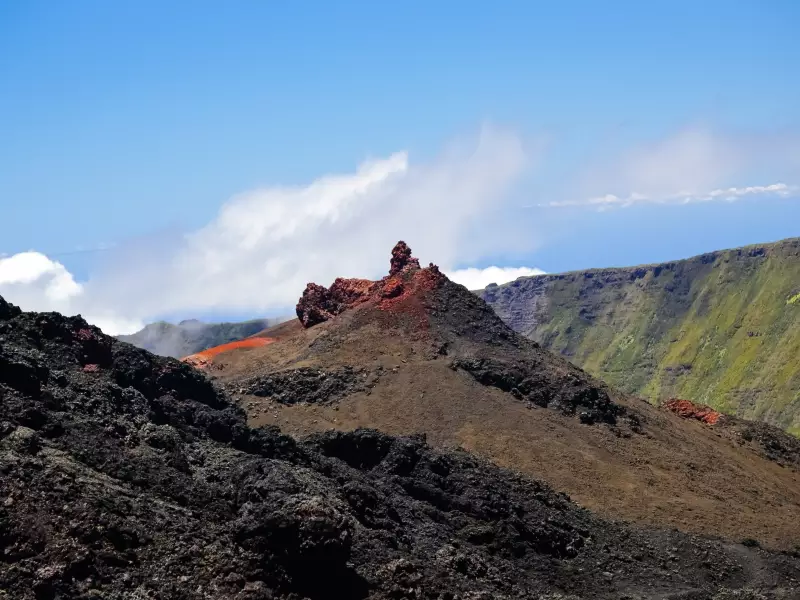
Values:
[(256, 256), (476, 279), (731, 194), (264, 245)]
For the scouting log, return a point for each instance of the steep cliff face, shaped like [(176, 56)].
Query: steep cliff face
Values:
[(722, 328)]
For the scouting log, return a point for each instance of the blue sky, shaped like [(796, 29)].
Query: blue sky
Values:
[(134, 123)]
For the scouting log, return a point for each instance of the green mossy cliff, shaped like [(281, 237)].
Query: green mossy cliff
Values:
[(722, 328)]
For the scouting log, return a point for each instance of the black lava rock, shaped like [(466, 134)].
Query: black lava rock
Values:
[(128, 476)]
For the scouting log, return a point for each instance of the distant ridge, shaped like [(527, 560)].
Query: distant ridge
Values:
[(191, 336), (721, 328)]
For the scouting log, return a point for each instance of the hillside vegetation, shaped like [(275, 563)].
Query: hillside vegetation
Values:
[(722, 328)]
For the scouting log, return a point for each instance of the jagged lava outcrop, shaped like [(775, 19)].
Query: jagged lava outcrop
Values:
[(319, 304)]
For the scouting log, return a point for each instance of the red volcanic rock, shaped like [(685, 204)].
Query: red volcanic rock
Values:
[(319, 304), (434, 270), (314, 305), (397, 290), (401, 258), (347, 292), (392, 288), (690, 410)]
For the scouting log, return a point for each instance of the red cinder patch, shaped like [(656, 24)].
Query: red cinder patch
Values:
[(202, 359), (690, 410), (85, 335)]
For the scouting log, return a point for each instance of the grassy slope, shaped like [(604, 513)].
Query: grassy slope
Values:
[(722, 328)]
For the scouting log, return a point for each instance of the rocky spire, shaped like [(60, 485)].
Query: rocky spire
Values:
[(319, 304), (401, 258)]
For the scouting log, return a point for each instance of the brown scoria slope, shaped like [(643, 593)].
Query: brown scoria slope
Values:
[(416, 353)]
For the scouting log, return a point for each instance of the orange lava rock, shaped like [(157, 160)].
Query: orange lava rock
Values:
[(203, 359), (690, 410)]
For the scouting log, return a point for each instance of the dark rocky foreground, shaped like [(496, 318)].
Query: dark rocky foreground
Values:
[(126, 475)]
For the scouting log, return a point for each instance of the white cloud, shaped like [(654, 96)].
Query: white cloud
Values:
[(265, 245), (476, 279), (43, 283), (113, 324), (730, 194), (35, 282)]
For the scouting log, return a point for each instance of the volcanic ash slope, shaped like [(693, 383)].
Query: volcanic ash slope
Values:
[(416, 353)]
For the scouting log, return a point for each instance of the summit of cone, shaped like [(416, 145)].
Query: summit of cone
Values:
[(444, 321), (319, 304)]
